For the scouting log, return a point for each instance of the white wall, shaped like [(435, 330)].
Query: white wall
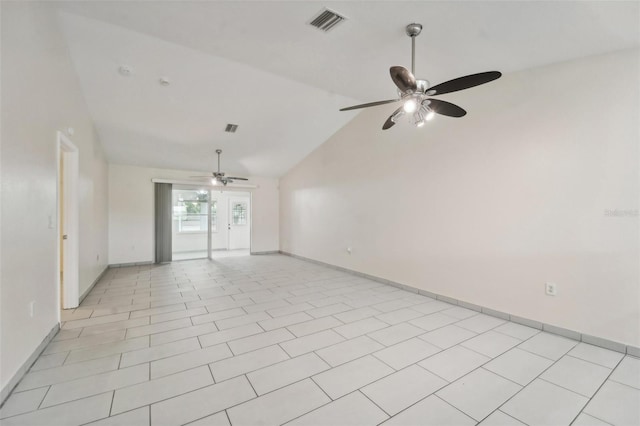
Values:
[(131, 222), (489, 207), (41, 95)]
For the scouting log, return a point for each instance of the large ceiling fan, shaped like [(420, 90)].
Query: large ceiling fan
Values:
[(219, 177), (416, 94)]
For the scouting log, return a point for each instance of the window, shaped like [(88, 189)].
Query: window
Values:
[(214, 215), (190, 210), (239, 213)]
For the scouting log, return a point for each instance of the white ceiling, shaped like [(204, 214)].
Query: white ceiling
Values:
[(259, 65)]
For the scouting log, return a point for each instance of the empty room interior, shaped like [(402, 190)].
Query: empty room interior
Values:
[(320, 213)]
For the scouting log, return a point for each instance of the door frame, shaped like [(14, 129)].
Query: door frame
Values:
[(68, 216)]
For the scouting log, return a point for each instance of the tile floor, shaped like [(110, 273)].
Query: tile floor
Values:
[(273, 340)]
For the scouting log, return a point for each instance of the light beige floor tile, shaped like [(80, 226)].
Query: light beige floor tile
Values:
[(498, 418), (351, 376), (218, 419), (628, 372), (396, 333), (168, 316), (543, 403), (312, 342), (587, 420), (67, 334), (189, 360), (548, 345), (616, 404), (286, 372), (245, 363), (491, 343), (48, 361), (146, 393), (241, 320), (431, 307), (182, 333), (157, 311), (107, 349), (84, 342), (356, 314), (201, 403), (65, 373), (350, 410), (215, 316), (284, 321), (431, 411), (597, 355), (323, 311), (68, 325), (22, 402), (400, 390), (480, 323), (459, 312), (518, 331), (158, 327), (95, 384), (135, 417), (579, 376), (157, 352), (229, 334), (111, 326), (72, 413), (453, 363), (518, 366), (478, 393), (349, 350), (433, 321), (314, 326), (406, 353), (279, 406), (268, 338), (447, 336), (358, 328), (398, 316)]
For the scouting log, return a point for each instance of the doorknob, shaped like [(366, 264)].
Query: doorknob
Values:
[(64, 237)]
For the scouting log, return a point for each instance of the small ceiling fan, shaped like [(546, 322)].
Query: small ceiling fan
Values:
[(416, 94), (219, 177)]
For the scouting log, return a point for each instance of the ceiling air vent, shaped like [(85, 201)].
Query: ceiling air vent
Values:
[(326, 20), (231, 128)]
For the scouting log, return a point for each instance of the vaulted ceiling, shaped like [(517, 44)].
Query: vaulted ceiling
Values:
[(261, 66)]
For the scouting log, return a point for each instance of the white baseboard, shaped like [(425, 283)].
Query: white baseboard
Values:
[(6, 391)]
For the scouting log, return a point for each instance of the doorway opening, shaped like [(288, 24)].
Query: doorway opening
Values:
[(68, 223), (209, 223)]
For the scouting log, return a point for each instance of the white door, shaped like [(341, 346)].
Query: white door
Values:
[(68, 214), (239, 222)]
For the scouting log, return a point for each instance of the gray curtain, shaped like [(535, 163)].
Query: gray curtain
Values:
[(163, 222)]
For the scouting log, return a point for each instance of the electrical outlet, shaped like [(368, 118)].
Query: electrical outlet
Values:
[(32, 308), (550, 289)]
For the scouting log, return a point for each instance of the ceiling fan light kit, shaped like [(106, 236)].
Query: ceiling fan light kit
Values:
[(415, 94), (219, 177)]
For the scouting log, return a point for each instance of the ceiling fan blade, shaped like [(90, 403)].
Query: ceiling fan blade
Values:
[(370, 104), (403, 78), (446, 108), (389, 123), (236, 178), (201, 177), (462, 83)]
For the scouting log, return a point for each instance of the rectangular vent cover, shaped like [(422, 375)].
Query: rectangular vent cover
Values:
[(231, 128), (326, 20)]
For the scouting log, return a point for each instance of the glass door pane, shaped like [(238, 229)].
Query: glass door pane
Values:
[(190, 224)]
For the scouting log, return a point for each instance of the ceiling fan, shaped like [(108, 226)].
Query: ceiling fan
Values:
[(416, 94), (219, 177)]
